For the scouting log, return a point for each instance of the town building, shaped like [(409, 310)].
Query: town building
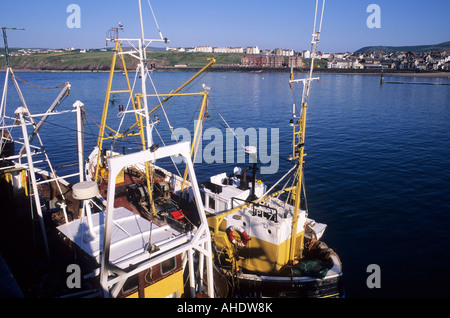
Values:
[(262, 61), (252, 50), (296, 61), (284, 52), (204, 49), (306, 54), (340, 64)]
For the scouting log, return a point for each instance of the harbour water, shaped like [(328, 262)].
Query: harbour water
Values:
[(376, 168)]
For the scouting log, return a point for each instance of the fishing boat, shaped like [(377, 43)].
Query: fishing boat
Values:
[(172, 241), (34, 198), (105, 244), (264, 241)]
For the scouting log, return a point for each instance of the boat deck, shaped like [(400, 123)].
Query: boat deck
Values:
[(129, 240)]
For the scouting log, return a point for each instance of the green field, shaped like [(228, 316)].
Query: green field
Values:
[(101, 61), (97, 60)]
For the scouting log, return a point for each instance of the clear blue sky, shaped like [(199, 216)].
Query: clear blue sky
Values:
[(267, 24)]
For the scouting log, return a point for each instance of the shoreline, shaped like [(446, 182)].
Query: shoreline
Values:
[(389, 72)]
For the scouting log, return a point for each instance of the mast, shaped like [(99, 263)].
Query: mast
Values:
[(143, 69), (140, 101), (140, 46), (298, 141), (5, 40), (8, 69), (113, 278)]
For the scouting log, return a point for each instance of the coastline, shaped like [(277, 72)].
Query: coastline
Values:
[(388, 72)]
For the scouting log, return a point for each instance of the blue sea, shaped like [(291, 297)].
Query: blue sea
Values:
[(376, 170)]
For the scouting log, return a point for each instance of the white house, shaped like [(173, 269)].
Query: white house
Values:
[(204, 49), (306, 54), (253, 50), (336, 63)]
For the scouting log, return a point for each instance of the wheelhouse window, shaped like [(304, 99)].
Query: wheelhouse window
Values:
[(131, 285), (168, 265), (223, 206), (212, 203), (202, 194)]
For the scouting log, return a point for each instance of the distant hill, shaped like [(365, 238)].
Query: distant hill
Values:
[(415, 49)]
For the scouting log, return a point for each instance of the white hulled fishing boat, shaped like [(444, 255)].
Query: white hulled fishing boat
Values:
[(34, 198), (137, 247), (150, 246)]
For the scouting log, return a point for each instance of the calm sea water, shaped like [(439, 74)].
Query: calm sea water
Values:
[(377, 169)]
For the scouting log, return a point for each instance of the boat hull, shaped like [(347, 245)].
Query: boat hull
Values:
[(254, 286), (318, 275)]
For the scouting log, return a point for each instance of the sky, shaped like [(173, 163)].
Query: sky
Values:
[(267, 24)]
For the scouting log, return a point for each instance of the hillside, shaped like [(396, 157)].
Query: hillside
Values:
[(101, 61), (415, 49)]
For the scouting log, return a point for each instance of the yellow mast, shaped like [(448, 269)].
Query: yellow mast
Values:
[(299, 129), (174, 93), (299, 154), (118, 51), (101, 136), (197, 134)]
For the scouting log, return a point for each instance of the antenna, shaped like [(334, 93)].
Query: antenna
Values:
[(5, 40), (317, 29), (113, 33)]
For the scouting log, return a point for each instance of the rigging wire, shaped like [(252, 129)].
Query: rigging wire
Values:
[(41, 87), (278, 182), (160, 103), (178, 171), (231, 129), (226, 126), (315, 40), (156, 22), (121, 114)]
